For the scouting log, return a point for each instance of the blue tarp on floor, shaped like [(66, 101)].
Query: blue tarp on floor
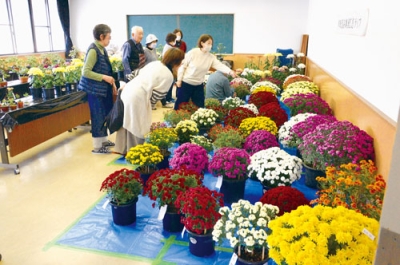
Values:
[(145, 240)]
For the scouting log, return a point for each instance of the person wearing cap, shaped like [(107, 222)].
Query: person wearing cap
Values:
[(150, 49), (179, 42), (132, 52)]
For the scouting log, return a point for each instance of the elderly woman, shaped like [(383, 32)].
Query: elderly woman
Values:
[(149, 86)]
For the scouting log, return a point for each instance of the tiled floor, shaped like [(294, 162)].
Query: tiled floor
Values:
[(60, 179)]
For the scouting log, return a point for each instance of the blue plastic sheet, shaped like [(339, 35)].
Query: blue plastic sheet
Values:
[(145, 240)]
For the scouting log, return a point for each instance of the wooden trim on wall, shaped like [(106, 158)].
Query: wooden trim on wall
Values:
[(347, 105)]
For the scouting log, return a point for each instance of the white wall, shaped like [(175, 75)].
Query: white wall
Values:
[(367, 64), (261, 26)]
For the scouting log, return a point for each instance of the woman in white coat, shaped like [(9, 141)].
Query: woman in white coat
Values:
[(149, 86)]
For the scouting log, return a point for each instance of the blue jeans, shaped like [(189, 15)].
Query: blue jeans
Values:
[(187, 92)]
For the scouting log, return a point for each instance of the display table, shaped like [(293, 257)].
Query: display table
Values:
[(25, 128)]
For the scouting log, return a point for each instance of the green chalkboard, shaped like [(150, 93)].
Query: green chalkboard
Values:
[(219, 26)]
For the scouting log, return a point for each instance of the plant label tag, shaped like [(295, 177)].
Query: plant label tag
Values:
[(105, 204), (233, 259), (162, 212), (368, 233), (183, 232), (219, 182)]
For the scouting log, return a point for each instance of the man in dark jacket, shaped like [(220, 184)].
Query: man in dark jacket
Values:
[(132, 52)]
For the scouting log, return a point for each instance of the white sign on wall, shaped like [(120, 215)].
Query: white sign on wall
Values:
[(352, 22)]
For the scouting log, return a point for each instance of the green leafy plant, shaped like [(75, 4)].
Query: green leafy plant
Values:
[(202, 141), (173, 117), (230, 138), (211, 102)]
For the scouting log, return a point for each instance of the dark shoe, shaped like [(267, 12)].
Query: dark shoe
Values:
[(102, 151), (108, 143)]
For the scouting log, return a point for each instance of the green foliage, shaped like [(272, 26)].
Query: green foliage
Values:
[(230, 138)]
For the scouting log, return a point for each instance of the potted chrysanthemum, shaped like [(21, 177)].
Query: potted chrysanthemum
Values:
[(192, 156), (237, 115), (145, 157), (286, 130), (249, 125), (230, 164), (229, 138), (205, 119), (311, 103), (354, 186), (274, 111), (203, 142), (302, 128), (274, 167), (261, 98), (245, 225), (259, 140), (164, 187), (173, 117), (285, 197), (123, 188), (231, 103), (200, 208), (185, 130), (334, 144), (304, 84), (273, 87), (163, 138), (323, 235), (295, 78)]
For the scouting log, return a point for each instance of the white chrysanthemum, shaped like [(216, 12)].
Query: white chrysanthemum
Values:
[(251, 107)]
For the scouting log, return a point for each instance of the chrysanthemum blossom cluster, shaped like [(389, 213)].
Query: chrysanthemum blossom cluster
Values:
[(289, 92), (274, 111), (302, 103), (304, 84), (231, 103), (251, 107), (266, 83), (355, 186), (192, 156), (259, 140), (323, 235), (245, 224), (307, 126), (249, 125), (237, 115), (185, 129), (204, 117), (240, 81), (285, 131), (261, 98), (229, 162), (334, 144), (295, 78), (274, 167)]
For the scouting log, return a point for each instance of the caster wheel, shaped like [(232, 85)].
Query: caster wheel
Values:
[(16, 172)]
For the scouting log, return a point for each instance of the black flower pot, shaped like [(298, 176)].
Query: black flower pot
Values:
[(37, 93), (48, 93)]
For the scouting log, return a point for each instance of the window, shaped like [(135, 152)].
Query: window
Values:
[(42, 32)]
